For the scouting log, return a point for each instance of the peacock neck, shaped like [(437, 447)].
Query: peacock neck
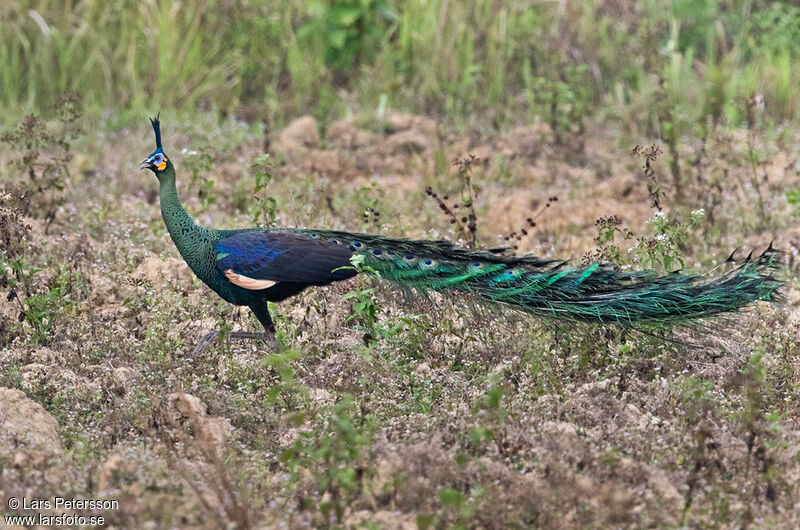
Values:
[(182, 229)]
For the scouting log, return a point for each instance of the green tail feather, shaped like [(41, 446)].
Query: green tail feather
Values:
[(551, 289)]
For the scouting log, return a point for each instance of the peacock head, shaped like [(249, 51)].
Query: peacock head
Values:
[(157, 161)]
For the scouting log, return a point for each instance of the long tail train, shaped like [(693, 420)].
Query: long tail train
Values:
[(551, 289)]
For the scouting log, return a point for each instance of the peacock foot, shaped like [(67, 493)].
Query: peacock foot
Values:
[(211, 337)]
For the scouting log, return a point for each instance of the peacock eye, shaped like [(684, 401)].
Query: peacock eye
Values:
[(409, 258), (429, 263)]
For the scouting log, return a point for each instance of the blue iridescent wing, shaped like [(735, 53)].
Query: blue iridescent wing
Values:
[(283, 257)]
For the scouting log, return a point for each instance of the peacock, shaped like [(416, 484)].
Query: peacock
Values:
[(251, 267)]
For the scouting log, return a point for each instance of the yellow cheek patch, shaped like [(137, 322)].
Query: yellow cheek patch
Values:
[(163, 165)]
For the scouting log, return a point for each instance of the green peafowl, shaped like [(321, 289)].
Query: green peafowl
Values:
[(253, 266)]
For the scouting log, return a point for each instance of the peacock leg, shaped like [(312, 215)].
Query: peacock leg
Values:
[(262, 314), (211, 337), (205, 341)]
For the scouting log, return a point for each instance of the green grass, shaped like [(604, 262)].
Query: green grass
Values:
[(504, 61)]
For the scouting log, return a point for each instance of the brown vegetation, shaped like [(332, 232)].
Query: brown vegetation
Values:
[(440, 414)]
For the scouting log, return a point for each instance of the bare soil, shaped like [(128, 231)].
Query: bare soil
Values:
[(465, 416)]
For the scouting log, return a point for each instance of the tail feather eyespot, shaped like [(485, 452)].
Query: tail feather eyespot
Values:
[(507, 275)]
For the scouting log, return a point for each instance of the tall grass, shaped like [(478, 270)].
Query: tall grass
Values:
[(508, 60)]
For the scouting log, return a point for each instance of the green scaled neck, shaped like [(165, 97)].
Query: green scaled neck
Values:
[(182, 229)]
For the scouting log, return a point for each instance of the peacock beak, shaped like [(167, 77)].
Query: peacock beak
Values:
[(147, 163)]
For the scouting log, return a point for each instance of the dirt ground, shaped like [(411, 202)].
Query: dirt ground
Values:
[(439, 414)]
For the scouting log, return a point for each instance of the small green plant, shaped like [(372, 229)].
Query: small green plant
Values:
[(335, 458), (608, 249), (365, 313), (43, 156), (288, 389), (662, 250), (357, 264), (264, 209), (665, 248), (365, 309), (41, 310)]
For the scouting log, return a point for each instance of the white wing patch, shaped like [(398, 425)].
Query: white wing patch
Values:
[(248, 283)]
